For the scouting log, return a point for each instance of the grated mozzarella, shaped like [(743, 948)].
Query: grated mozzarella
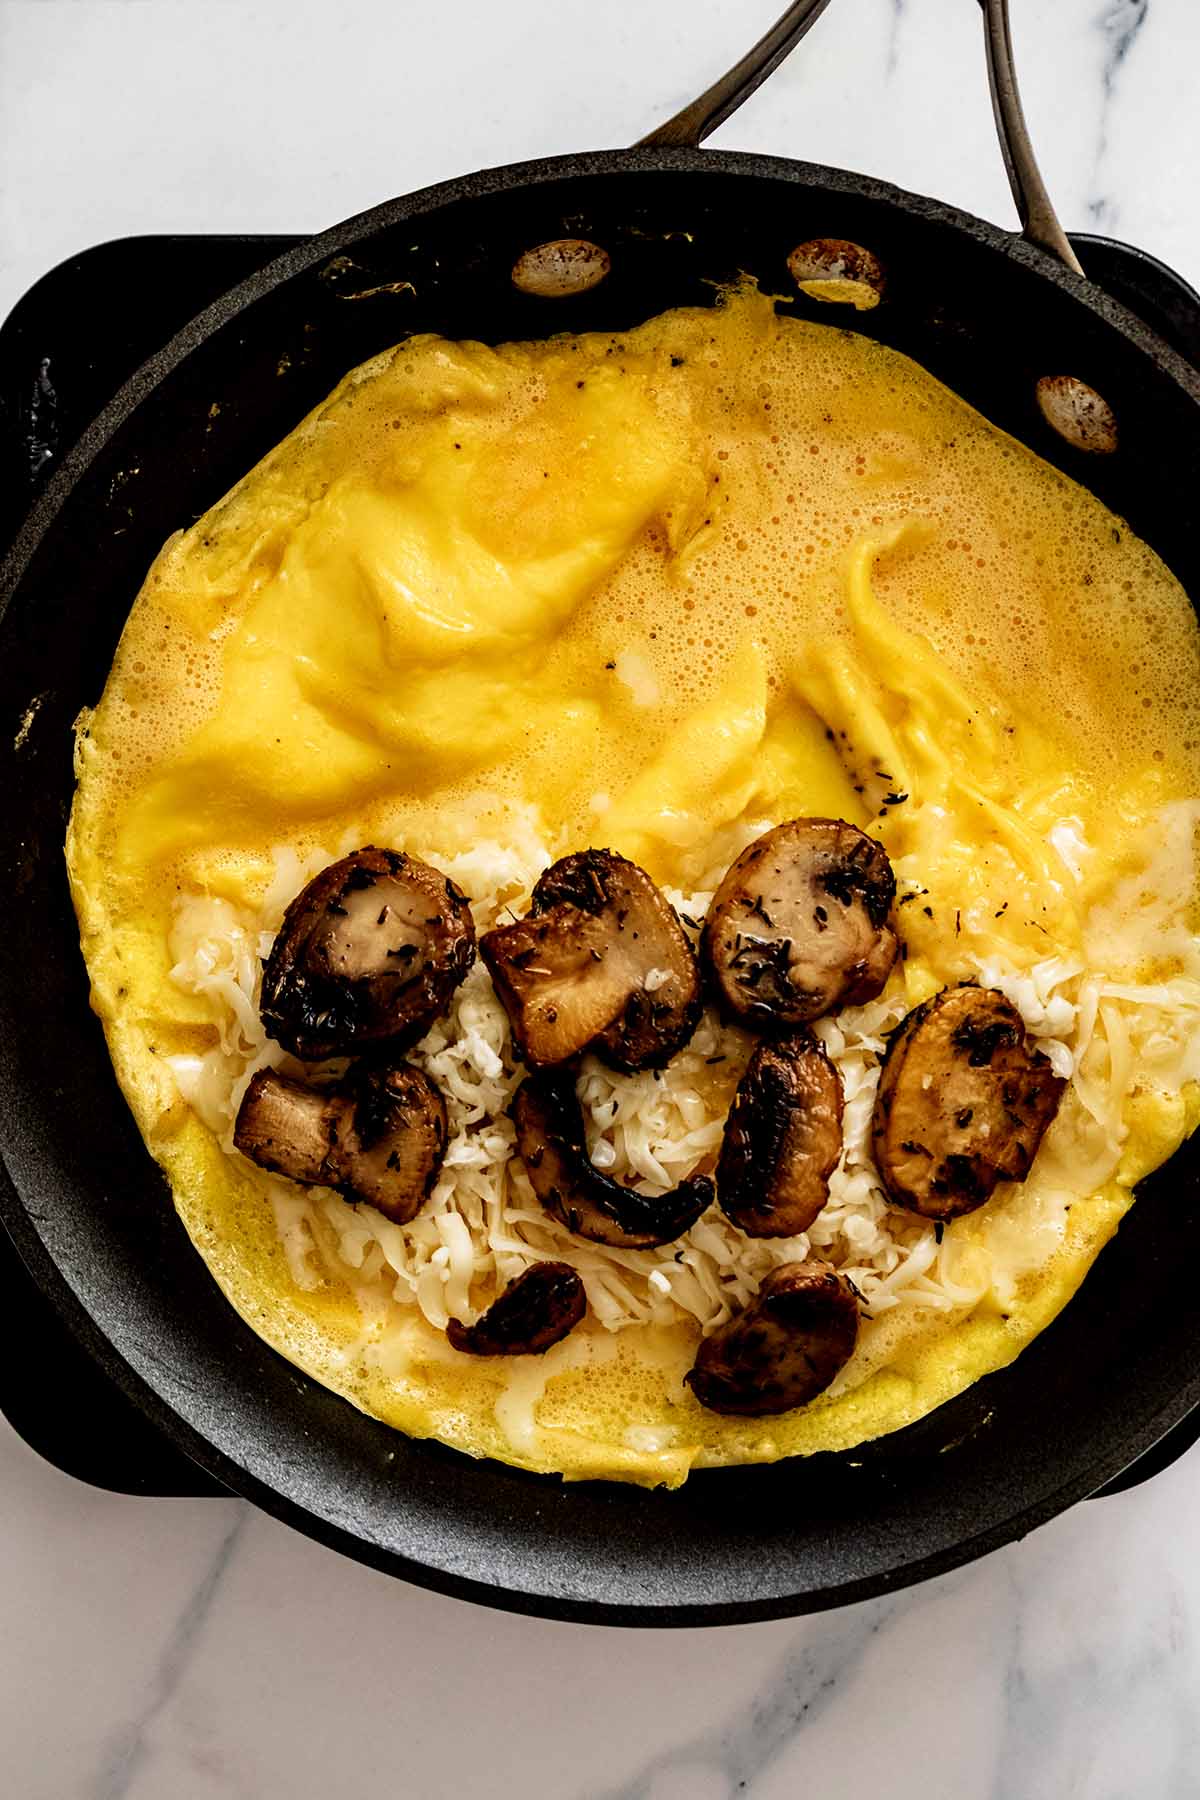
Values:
[(483, 1226)]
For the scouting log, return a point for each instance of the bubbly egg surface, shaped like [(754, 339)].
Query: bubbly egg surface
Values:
[(730, 566)]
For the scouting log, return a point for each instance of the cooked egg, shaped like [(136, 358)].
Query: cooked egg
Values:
[(654, 591)]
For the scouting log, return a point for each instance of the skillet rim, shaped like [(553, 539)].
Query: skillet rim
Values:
[(548, 1604), (530, 174), (46, 1270)]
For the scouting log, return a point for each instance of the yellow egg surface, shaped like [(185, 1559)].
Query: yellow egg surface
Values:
[(652, 592)]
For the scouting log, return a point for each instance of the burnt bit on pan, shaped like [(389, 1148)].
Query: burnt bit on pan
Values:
[(379, 1135), (963, 1103), (785, 1347), (369, 953), (550, 1138), (782, 1139), (601, 962), (534, 1312), (800, 926)]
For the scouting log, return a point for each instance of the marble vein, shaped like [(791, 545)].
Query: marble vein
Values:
[(893, 44), (127, 1751), (806, 1682), (1097, 1700), (1062, 1668), (1120, 24)]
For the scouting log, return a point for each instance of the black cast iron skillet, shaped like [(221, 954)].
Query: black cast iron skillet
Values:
[(985, 312)]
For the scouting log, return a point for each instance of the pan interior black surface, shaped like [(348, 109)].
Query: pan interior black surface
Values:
[(92, 1219), (53, 382)]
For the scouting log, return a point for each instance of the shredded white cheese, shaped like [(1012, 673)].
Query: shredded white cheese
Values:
[(483, 1225)]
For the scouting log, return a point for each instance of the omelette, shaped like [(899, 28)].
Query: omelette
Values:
[(650, 598)]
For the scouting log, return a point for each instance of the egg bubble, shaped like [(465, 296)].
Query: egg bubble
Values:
[(1025, 582)]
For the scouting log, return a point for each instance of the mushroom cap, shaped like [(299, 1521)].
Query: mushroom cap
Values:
[(601, 962), (535, 1312), (962, 1105), (369, 953), (799, 927), (390, 1136), (378, 1135), (285, 1126), (785, 1347), (783, 1138)]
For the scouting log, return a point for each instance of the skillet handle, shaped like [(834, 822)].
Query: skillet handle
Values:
[(717, 103), (1039, 221), (1152, 1462)]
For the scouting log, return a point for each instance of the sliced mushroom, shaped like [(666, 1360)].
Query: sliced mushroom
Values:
[(286, 1126), (784, 1349), (379, 1135), (799, 926), (601, 962), (551, 1141), (390, 1143), (782, 1140), (533, 1313), (369, 953), (963, 1102)]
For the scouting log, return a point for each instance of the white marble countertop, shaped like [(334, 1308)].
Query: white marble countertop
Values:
[(197, 1650)]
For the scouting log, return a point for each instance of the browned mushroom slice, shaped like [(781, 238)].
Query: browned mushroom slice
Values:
[(286, 1126), (784, 1349), (551, 1141), (554, 982), (390, 1140), (782, 1140), (379, 1135), (799, 926), (369, 953), (533, 1313), (601, 962), (963, 1102)]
